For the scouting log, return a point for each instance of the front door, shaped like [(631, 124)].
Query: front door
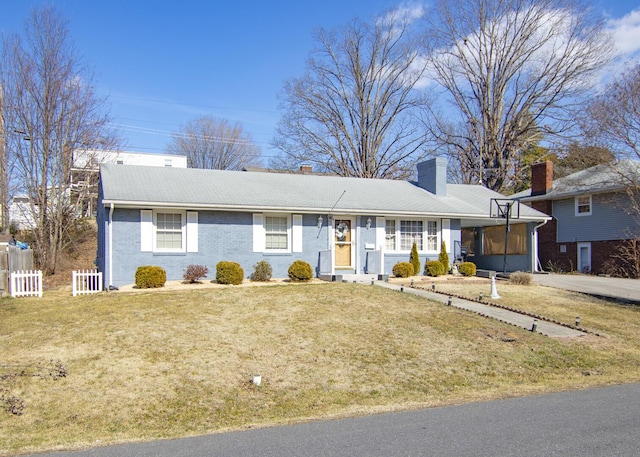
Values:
[(584, 257), (343, 239)]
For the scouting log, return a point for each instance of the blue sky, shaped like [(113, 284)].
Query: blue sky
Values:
[(163, 63)]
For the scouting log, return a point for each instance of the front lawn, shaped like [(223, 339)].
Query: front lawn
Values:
[(116, 367)]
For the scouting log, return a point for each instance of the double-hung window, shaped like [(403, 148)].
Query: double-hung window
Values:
[(276, 233), (168, 231), (583, 205), (390, 234)]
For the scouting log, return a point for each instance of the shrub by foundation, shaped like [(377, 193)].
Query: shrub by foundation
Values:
[(434, 268), (403, 270), (467, 269), (300, 271), (262, 271), (194, 273), (229, 273), (150, 277)]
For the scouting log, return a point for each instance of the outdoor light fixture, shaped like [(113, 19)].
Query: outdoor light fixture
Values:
[(368, 224), (319, 222), (534, 327), (577, 321)]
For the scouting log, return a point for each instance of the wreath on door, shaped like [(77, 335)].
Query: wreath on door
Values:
[(341, 231)]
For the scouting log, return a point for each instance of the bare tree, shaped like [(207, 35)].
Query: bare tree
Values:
[(613, 120), (50, 111), (614, 117), (215, 144), (512, 71), (353, 111)]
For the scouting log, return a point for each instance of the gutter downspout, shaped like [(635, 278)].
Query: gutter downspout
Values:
[(535, 246), (111, 245)]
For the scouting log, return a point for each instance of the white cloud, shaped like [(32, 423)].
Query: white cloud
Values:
[(626, 33), (409, 12)]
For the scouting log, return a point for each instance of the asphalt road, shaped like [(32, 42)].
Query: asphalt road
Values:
[(595, 422)]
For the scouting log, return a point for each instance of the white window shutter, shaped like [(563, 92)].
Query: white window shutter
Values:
[(296, 233), (380, 233), (446, 234), (258, 233), (192, 231), (146, 230)]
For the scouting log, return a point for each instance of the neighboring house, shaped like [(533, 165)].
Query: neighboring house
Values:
[(172, 217), (21, 216), (86, 166), (83, 185), (592, 215)]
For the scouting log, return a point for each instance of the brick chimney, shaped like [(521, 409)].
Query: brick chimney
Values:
[(541, 177), (306, 168)]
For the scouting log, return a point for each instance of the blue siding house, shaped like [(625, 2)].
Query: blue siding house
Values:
[(175, 217), (593, 215)]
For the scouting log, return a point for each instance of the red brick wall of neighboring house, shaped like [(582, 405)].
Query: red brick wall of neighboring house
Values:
[(601, 260)]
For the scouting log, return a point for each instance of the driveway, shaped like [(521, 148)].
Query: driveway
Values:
[(622, 289)]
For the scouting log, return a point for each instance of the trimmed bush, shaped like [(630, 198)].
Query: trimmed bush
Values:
[(434, 268), (261, 271), (520, 278), (150, 277), (414, 259), (300, 271), (443, 257), (229, 273), (403, 270), (194, 273), (467, 269)]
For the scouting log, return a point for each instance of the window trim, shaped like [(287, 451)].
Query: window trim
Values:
[(289, 229), (578, 205), (425, 234), (183, 231)]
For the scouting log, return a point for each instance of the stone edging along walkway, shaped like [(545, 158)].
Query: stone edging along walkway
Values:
[(518, 311), (527, 321)]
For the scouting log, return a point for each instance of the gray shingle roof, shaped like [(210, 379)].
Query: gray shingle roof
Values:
[(139, 186), (599, 179)]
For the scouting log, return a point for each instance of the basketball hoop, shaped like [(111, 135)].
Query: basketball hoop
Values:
[(507, 209)]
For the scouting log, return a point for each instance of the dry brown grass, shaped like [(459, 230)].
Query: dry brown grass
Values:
[(163, 364)]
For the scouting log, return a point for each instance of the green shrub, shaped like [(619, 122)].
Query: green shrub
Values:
[(300, 271), (434, 268), (414, 259), (195, 273), (261, 271), (150, 277), (403, 270), (467, 268), (443, 257), (520, 278), (229, 273)]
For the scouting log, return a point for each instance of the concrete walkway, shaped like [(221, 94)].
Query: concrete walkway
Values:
[(510, 317)]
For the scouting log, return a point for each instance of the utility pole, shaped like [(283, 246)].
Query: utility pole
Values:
[(4, 186)]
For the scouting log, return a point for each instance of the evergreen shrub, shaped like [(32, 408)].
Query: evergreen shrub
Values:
[(434, 268), (467, 269), (150, 277), (300, 271), (403, 270), (229, 273)]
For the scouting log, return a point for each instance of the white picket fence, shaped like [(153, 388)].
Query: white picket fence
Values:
[(26, 283), (86, 282)]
